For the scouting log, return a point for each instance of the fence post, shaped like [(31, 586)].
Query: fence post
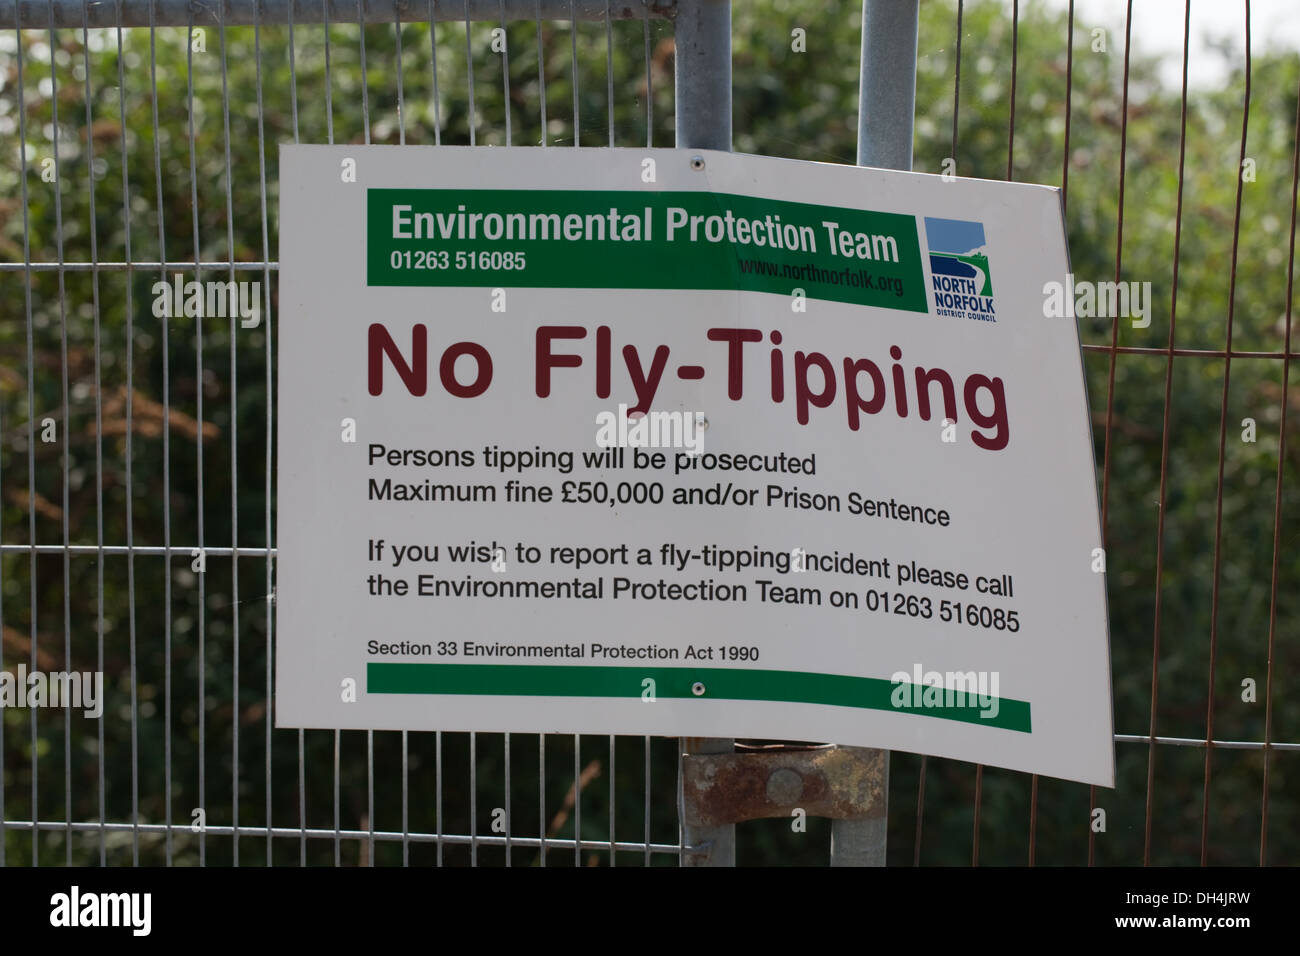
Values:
[(702, 38), (886, 108), (887, 89)]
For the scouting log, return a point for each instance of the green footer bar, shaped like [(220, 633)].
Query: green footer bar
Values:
[(870, 693)]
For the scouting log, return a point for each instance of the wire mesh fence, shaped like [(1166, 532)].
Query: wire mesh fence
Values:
[(137, 479)]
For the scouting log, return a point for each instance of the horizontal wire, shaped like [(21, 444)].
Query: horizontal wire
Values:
[(1200, 742), (389, 836), (139, 266), (181, 550), (1197, 353)]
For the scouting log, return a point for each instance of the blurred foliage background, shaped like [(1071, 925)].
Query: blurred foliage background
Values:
[(178, 451)]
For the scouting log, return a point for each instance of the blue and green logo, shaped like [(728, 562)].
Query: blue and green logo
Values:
[(960, 281)]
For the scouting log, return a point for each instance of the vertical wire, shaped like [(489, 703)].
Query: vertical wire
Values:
[(541, 781), (370, 797), (437, 799), (130, 429), (167, 486), (956, 86), (541, 67), (1223, 436), (433, 50), (270, 591), (1065, 198), (573, 43), (329, 128), (469, 73), (647, 800), (198, 446), (3, 776), (166, 360), (63, 445), (1033, 819), (234, 448), (920, 813), (293, 74), (541, 738), (1114, 348), (1164, 447), (329, 100), (406, 783), (365, 85), (649, 102), (507, 806), (1277, 498), (577, 800), (31, 409), (1011, 145), (270, 396), (609, 70), (613, 853), (337, 837), (406, 776), (505, 67), (302, 799), (979, 770), (473, 798), (1069, 89), (681, 833), (401, 101), (1015, 56)]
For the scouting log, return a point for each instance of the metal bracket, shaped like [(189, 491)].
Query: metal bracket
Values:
[(841, 783)]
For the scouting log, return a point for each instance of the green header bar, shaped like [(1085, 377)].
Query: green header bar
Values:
[(523, 680), (624, 239)]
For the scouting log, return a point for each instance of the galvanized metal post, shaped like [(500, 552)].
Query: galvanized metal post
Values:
[(702, 37), (886, 110), (887, 89)]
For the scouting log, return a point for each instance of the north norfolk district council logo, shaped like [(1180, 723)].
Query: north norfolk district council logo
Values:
[(959, 269)]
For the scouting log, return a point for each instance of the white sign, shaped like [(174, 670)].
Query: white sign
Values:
[(684, 443)]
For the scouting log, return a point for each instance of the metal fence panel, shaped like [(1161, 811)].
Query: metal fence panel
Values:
[(135, 451)]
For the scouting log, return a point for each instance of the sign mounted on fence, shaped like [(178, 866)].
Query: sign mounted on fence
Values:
[(684, 443)]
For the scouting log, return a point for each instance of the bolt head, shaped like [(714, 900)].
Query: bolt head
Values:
[(697, 163), (784, 786), (697, 689)]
